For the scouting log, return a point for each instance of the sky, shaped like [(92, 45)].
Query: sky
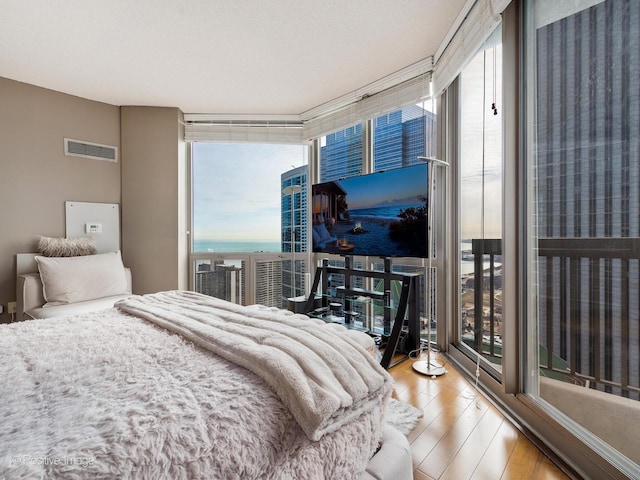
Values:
[(236, 189)]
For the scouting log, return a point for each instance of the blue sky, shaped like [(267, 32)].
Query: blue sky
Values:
[(236, 189)]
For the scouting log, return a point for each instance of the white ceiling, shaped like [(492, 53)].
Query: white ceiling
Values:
[(217, 56)]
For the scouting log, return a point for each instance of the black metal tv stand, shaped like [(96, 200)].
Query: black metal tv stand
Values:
[(407, 305)]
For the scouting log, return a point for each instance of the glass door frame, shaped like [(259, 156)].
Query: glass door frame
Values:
[(556, 439)]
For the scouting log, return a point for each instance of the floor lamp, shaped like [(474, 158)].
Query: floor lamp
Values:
[(427, 367), (291, 190)]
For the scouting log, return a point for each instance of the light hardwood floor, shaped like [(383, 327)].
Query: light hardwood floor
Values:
[(461, 435)]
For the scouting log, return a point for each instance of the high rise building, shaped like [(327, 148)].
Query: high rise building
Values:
[(220, 280), (269, 283), (399, 138), (341, 154), (294, 230)]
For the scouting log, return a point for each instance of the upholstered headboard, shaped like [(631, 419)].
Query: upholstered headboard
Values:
[(25, 263)]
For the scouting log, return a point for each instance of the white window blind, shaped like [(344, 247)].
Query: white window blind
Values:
[(405, 87), (470, 33), (280, 129), (378, 98)]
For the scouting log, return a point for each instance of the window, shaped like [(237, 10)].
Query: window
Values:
[(480, 200), (242, 203), (583, 156), (401, 136), (398, 138), (237, 194), (341, 154)]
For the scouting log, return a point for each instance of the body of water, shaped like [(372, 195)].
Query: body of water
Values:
[(225, 246), (389, 212)]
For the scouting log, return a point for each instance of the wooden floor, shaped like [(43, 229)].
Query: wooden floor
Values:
[(461, 435)]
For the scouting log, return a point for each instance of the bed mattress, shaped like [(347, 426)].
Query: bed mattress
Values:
[(111, 395)]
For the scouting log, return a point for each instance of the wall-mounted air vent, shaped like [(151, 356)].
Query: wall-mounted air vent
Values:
[(95, 151)]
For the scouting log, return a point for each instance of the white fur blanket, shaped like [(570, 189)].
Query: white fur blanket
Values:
[(107, 395), (317, 373)]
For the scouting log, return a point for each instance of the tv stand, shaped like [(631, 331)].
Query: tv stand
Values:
[(393, 329)]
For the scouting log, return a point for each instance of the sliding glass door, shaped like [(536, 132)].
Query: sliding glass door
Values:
[(583, 220)]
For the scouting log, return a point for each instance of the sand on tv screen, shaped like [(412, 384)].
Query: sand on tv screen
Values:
[(381, 214)]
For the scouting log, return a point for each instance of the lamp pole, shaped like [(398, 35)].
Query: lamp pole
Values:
[(428, 367), (291, 190)]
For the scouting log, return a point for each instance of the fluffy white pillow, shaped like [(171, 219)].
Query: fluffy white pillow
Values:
[(76, 279), (66, 247)]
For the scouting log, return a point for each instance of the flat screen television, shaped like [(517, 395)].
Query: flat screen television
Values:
[(381, 214)]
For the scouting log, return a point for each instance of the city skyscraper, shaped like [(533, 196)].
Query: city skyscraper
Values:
[(399, 138), (220, 280), (341, 155), (294, 220), (269, 283)]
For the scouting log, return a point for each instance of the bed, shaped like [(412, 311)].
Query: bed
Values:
[(182, 385)]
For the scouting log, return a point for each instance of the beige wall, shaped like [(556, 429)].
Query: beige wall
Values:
[(36, 178), (153, 198)]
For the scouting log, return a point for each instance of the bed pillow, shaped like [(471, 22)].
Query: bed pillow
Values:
[(76, 279), (323, 232), (66, 247), (315, 235)]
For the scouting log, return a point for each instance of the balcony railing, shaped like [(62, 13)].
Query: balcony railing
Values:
[(266, 278), (590, 293), (486, 338), (588, 310)]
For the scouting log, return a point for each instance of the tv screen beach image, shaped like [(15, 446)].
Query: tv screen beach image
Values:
[(381, 214)]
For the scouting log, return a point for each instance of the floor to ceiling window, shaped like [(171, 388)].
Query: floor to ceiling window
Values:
[(480, 203), (583, 315), (244, 209), (402, 138), (387, 142)]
